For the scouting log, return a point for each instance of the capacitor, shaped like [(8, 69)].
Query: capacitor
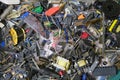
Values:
[(81, 63), (17, 35)]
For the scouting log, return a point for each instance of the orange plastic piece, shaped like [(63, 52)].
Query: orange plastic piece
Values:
[(81, 16), (52, 11)]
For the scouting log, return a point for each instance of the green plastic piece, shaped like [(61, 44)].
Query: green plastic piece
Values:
[(116, 77), (38, 9)]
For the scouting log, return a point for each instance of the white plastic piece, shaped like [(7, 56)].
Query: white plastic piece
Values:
[(10, 1), (10, 24), (1, 25)]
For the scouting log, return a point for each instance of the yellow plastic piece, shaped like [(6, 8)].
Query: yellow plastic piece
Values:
[(118, 29), (63, 62), (81, 63), (98, 12), (24, 34), (14, 36), (113, 24)]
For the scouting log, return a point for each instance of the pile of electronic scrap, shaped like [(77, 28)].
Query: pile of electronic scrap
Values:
[(59, 40)]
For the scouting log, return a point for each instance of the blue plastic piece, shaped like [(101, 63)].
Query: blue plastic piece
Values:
[(23, 16), (2, 44), (84, 77)]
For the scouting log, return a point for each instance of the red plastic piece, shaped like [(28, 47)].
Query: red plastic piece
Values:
[(52, 11), (84, 35), (61, 73), (27, 30)]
